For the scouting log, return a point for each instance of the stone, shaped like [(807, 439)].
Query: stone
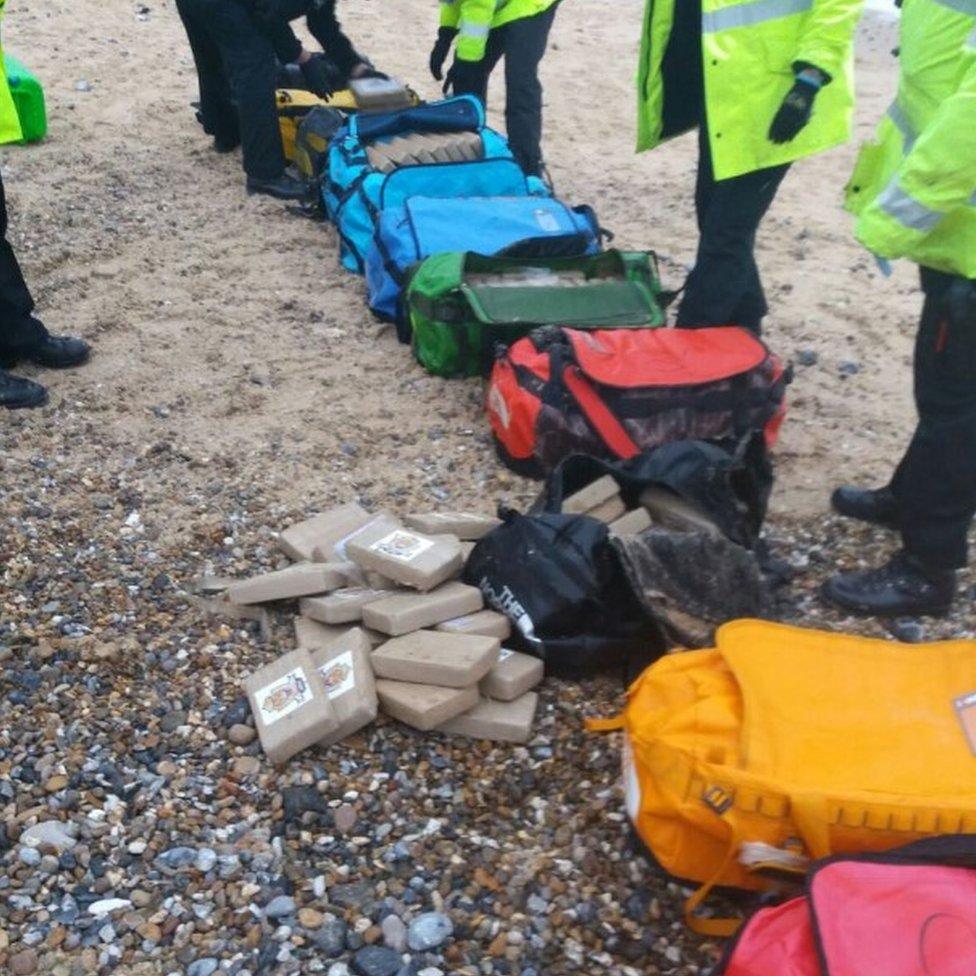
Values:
[(496, 721), (106, 906), (633, 523), (291, 707), (280, 907), (428, 931), (241, 735), (424, 707), (487, 623), (434, 658), (48, 835), (346, 672), (376, 961), (322, 532), (55, 784), (394, 933), (203, 967), (23, 963), (345, 818), (286, 584), (467, 526), (330, 938), (402, 613), (512, 676), (407, 557), (338, 969), (807, 357), (344, 606), (310, 918), (245, 766), (30, 856), (609, 511), (590, 497)]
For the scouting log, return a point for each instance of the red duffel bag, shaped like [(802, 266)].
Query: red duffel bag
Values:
[(616, 393), (906, 912)]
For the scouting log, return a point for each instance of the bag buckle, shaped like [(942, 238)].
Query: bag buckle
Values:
[(718, 799)]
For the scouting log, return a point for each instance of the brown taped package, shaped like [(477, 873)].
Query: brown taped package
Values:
[(423, 707), (347, 675), (431, 657), (400, 613), (290, 706)]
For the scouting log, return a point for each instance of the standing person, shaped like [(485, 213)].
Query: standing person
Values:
[(487, 31), (236, 47), (766, 82), (914, 191), (23, 337)]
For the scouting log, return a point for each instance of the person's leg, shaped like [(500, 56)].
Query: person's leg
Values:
[(250, 62), (525, 45), (935, 485), (20, 331), (494, 49), (217, 110), (724, 287)]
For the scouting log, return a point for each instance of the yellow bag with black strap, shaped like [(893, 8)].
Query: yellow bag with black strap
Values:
[(797, 743)]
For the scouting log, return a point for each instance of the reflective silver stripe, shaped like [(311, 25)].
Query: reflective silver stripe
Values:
[(474, 30), (752, 12), (971, 40), (900, 120), (967, 7), (898, 205)]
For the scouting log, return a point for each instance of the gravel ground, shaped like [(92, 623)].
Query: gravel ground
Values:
[(176, 848)]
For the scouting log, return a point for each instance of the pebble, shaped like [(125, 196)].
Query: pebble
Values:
[(203, 967), (807, 357), (23, 963), (30, 856), (428, 931), (376, 961), (241, 735), (339, 969), (48, 835), (345, 818), (280, 906), (394, 933), (310, 918), (330, 938)]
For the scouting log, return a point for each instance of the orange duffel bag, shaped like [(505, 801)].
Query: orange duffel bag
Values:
[(797, 744)]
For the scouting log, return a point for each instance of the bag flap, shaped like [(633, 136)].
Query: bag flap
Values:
[(666, 357), (835, 715), (472, 180), (895, 919), (594, 305), (462, 114), (485, 224)]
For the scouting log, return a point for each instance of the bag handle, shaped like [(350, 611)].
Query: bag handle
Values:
[(610, 430)]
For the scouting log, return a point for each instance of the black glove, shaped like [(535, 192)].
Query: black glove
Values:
[(795, 111), (466, 78), (322, 76), (438, 54)]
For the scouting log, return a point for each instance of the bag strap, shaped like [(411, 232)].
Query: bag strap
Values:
[(612, 724), (610, 430)]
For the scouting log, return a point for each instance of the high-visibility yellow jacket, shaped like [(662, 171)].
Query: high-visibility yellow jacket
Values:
[(749, 48), (475, 18), (914, 187), (9, 121)]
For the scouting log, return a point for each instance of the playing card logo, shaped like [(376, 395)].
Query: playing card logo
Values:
[(947, 946)]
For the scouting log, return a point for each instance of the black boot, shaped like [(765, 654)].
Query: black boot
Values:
[(875, 505), (17, 393), (903, 587), (60, 352), (283, 187)]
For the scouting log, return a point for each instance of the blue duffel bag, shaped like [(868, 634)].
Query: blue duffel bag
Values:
[(355, 191), (516, 226)]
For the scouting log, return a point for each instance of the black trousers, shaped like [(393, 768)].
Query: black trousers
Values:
[(522, 43), (236, 69), (20, 331), (935, 484), (724, 287)]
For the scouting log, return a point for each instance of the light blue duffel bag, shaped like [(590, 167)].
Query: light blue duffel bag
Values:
[(516, 226), (355, 192)]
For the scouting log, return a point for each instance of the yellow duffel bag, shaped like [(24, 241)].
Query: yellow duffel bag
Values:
[(809, 743)]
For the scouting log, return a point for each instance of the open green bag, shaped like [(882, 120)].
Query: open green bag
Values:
[(459, 306)]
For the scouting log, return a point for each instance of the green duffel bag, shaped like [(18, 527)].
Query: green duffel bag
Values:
[(459, 306)]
